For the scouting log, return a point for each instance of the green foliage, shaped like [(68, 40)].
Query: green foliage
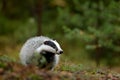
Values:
[(25, 30), (35, 77), (98, 29), (71, 67), (5, 58), (94, 25)]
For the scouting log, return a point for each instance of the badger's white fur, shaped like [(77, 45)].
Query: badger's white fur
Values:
[(35, 46)]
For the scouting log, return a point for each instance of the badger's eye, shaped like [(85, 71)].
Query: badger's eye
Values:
[(51, 44)]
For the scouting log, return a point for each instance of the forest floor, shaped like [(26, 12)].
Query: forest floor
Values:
[(11, 70)]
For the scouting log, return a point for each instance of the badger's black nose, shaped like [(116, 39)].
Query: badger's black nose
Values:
[(61, 52)]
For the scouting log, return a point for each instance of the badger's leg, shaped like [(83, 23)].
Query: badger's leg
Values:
[(52, 60), (56, 61)]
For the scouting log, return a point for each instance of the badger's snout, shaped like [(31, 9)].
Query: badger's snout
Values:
[(60, 52)]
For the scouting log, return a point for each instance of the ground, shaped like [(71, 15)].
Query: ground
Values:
[(12, 70)]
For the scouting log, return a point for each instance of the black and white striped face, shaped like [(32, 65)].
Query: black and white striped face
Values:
[(51, 46), (54, 45)]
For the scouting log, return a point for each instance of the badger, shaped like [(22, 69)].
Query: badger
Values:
[(41, 51)]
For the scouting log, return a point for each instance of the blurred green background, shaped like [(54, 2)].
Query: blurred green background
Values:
[(88, 30)]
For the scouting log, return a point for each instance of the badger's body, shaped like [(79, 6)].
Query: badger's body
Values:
[(36, 47)]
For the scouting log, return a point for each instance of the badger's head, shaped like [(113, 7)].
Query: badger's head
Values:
[(50, 46)]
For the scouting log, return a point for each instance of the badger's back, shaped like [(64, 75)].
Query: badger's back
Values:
[(30, 46)]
